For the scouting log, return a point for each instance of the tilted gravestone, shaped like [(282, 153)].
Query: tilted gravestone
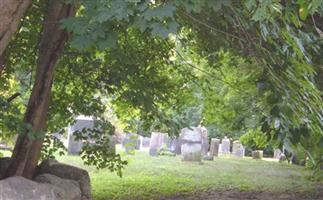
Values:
[(214, 149), (225, 145), (75, 146), (237, 149), (157, 140), (191, 144)]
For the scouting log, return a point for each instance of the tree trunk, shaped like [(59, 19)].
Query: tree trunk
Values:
[(11, 13), (27, 151)]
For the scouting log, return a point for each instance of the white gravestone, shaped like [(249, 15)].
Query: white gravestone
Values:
[(191, 144), (225, 145), (237, 149)]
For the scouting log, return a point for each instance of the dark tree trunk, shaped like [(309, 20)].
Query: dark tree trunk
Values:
[(11, 13), (27, 151)]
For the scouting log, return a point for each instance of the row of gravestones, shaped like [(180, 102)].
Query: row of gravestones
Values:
[(193, 142), (195, 145)]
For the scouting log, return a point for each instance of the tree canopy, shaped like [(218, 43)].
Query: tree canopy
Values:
[(232, 66)]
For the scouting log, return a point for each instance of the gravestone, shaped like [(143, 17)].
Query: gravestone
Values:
[(74, 146), (138, 142), (130, 142), (277, 153), (157, 140), (175, 146), (145, 141), (205, 141), (237, 149), (112, 143), (225, 145), (214, 149), (178, 147), (191, 144)]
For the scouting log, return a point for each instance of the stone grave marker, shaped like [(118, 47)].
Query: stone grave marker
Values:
[(225, 146), (191, 144), (145, 141), (214, 149), (205, 141), (157, 140), (74, 146), (237, 149)]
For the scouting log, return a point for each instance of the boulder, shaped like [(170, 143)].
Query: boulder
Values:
[(4, 164), (19, 188), (71, 188), (64, 171)]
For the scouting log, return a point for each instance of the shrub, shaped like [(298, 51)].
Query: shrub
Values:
[(254, 139)]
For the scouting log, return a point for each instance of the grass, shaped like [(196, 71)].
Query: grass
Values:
[(148, 177)]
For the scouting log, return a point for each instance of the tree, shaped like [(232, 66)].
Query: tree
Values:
[(27, 149), (11, 13)]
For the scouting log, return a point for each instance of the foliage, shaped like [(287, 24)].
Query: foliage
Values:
[(98, 147), (254, 139)]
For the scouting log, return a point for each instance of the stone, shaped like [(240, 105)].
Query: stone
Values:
[(153, 151), (225, 145), (4, 164), (214, 148), (51, 166), (19, 188), (145, 141), (237, 149), (157, 141), (72, 188), (174, 146), (277, 153), (191, 144), (178, 147), (112, 143), (282, 157), (75, 146), (205, 141), (257, 154)]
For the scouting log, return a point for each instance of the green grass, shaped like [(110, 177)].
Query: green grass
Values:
[(148, 177)]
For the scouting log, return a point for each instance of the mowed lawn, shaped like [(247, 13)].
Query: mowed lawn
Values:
[(148, 177)]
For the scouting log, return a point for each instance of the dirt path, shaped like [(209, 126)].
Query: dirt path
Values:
[(238, 195)]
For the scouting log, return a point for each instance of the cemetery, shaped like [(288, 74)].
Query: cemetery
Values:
[(161, 100)]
